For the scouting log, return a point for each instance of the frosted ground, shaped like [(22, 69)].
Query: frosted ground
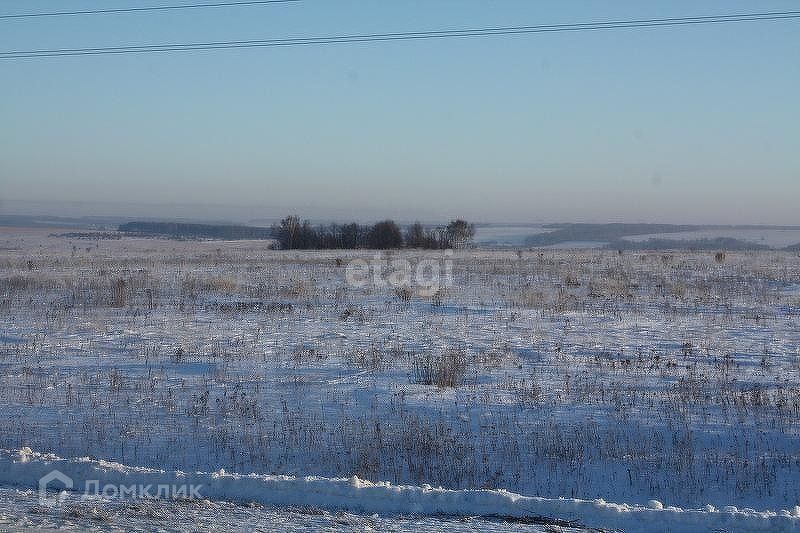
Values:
[(664, 382), (20, 510)]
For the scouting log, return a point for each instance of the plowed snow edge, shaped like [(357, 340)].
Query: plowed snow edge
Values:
[(24, 468)]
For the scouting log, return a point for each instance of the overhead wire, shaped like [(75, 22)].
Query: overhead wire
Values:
[(403, 36), (123, 10)]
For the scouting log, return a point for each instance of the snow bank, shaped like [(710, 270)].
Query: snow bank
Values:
[(24, 468)]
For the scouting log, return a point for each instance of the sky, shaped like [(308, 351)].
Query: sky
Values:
[(697, 124)]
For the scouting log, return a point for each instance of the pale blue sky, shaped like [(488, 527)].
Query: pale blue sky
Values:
[(679, 124)]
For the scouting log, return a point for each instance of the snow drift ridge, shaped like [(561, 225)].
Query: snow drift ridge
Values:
[(24, 468)]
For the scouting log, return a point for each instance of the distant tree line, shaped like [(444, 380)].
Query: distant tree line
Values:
[(177, 230), (601, 232), (293, 233)]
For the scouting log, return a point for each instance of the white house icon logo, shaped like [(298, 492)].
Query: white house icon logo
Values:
[(54, 477)]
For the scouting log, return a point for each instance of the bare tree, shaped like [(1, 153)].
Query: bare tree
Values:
[(460, 233), (384, 235)]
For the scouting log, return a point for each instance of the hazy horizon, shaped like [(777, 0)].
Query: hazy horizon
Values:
[(669, 125), (265, 214)]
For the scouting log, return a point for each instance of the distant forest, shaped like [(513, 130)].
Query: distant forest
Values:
[(177, 230), (600, 232)]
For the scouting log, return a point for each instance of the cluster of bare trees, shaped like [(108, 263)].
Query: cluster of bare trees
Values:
[(294, 233)]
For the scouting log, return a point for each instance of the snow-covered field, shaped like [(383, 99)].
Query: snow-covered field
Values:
[(21, 511), (664, 382)]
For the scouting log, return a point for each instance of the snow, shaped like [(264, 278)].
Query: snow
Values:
[(20, 511), (23, 469), (662, 380)]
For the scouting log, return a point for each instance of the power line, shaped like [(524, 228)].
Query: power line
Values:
[(402, 36), (120, 10)]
